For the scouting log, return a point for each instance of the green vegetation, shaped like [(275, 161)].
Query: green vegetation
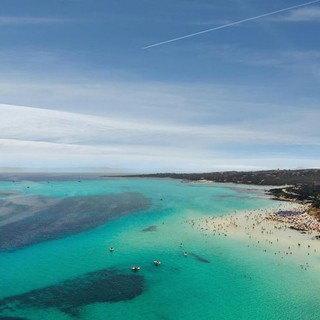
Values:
[(268, 177), (316, 201), (303, 193)]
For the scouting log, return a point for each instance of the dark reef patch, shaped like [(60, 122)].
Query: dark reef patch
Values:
[(199, 258), (37, 219), (150, 229), (68, 296), (7, 194)]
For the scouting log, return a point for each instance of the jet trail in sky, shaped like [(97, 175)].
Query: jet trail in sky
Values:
[(233, 24)]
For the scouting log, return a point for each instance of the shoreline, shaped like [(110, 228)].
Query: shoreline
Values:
[(262, 230)]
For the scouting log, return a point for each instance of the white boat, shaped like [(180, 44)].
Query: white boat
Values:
[(135, 268)]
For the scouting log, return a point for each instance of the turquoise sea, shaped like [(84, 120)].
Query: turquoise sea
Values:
[(73, 275)]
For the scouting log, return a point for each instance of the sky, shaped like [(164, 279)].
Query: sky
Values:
[(78, 89)]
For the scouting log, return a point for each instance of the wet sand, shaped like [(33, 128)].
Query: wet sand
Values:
[(259, 229)]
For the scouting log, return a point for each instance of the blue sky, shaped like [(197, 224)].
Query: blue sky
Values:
[(244, 97)]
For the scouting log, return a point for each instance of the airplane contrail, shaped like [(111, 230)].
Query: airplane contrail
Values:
[(233, 23)]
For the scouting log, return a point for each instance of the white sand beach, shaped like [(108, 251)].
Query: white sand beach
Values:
[(258, 229)]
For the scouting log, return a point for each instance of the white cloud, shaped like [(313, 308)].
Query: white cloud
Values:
[(31, 124), (148, 126), (47, 138), (308, 14), (39, 155)]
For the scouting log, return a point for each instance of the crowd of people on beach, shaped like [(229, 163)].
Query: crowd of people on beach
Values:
[(296, 219), (267, 229)]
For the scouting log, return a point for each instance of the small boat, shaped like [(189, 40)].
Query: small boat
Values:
[(156, 262), (135, 268), (185, 253), (111, 249)]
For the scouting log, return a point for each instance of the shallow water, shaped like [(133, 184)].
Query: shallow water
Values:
[(219, 279)]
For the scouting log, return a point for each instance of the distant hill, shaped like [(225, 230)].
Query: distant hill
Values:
[(268, 177)]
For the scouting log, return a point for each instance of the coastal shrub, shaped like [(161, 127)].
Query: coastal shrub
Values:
[(316, 202)]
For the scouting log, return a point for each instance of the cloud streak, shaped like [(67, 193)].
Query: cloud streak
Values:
[(233, 24), (40, 125), (302, 15), (40, 137)]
